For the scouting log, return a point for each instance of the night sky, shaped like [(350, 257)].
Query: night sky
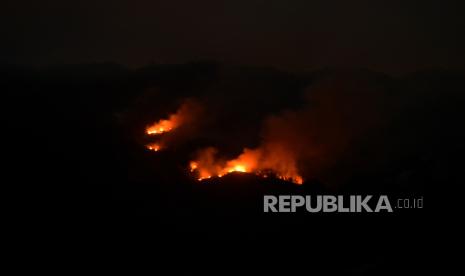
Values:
[(390, 36)]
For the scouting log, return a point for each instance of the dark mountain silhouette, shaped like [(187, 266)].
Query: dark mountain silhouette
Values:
[(74, 141)]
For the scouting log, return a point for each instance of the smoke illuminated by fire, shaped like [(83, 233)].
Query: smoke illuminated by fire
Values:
[(270, 159), (257, 161), (329, 131), (164, 125), (186, 113)]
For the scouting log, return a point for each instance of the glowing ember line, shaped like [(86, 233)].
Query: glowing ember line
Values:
[(295, 179)]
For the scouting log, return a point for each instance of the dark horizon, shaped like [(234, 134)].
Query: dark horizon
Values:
[(396, 37)]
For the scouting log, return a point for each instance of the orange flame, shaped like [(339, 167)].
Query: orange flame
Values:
[(163, 126), (154, 147), (250, 161), (267, 160), (185, 113)]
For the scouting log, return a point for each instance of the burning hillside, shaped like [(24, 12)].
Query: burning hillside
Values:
[(162, 126), (275, 163), (268, 161), (167, 125), (159, 131), (292, 144), (332, 130)]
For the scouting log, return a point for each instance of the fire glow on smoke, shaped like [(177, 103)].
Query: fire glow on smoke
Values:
[(255, 161), (268, 160), (163, 125)]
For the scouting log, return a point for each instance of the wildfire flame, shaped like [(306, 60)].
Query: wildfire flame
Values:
[(162, 126), (185, 114), (166, 125), (154, 147), (268, 160), (250, 161)]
